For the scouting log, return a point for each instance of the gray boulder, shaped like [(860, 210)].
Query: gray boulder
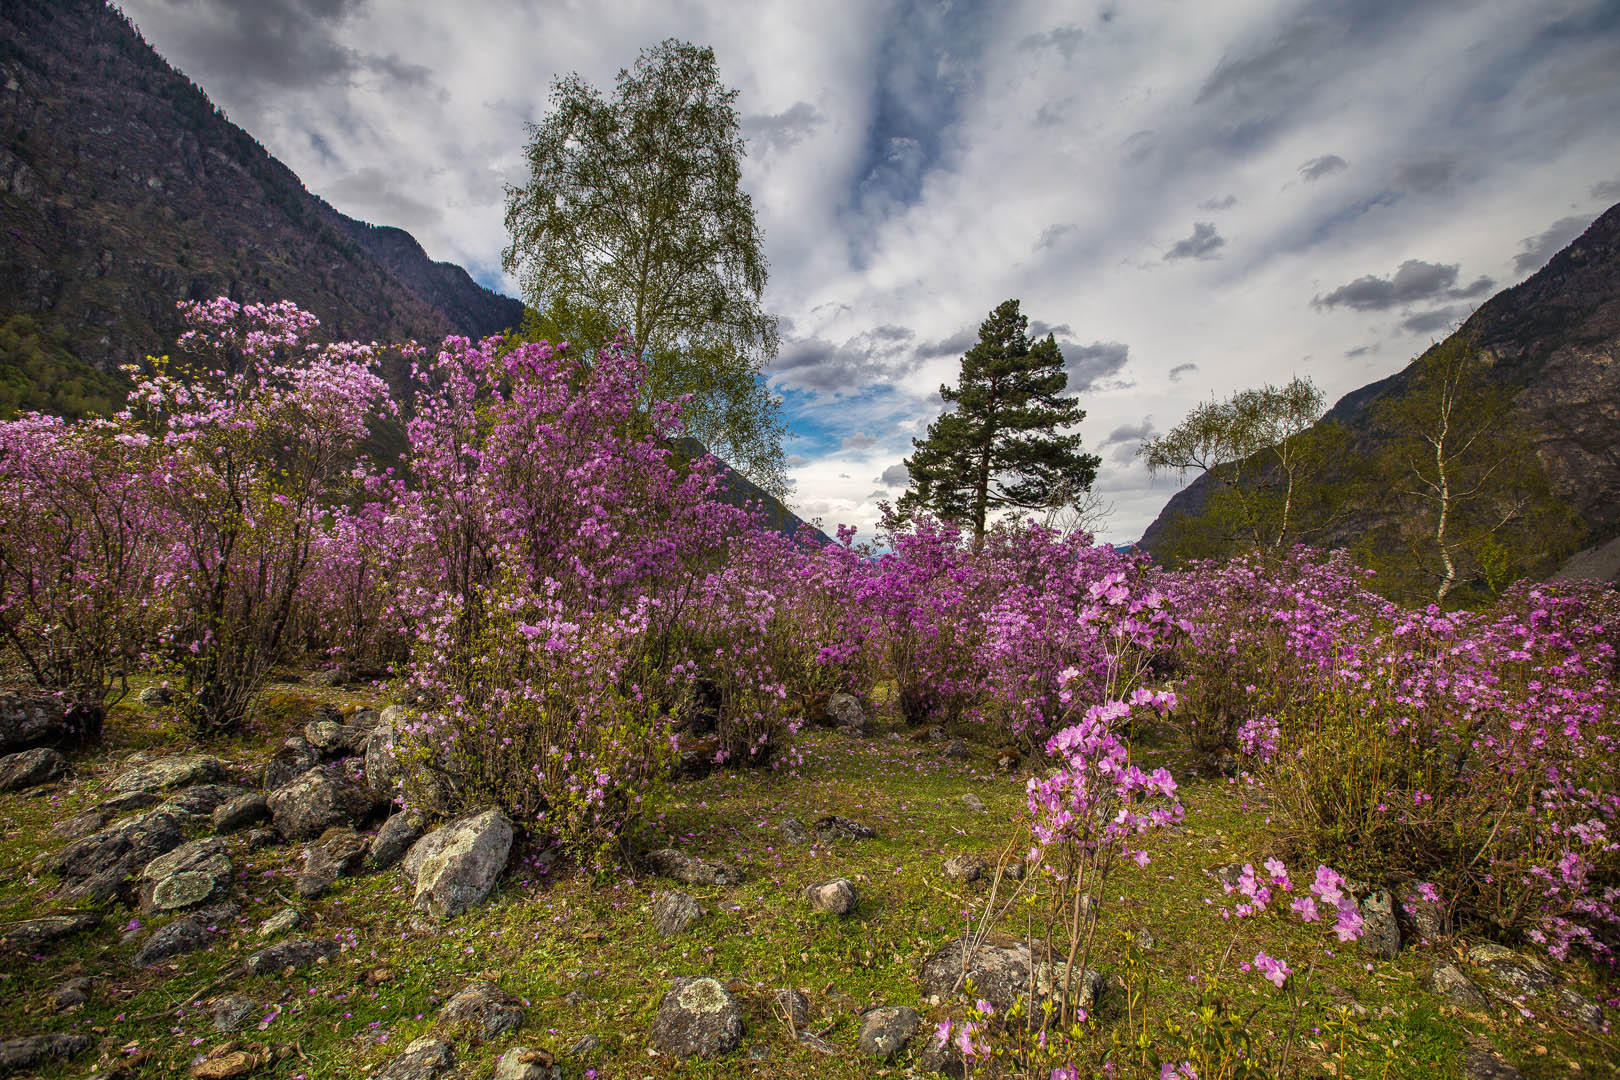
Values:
[(836, 897), (29, 934), (1482, 1064), (180, 770), (792, 1003), (455, 867), (1445, 980), (98, 817), (295, 954), (395, 838), (203, 799), (667, 862), (318, 800), (97, 866), (240, 812), (1380, 935), (29, 718), (484, 1008), (189, 876), (339, 852), (233, 1012), (846, 713), (155, 697), (524, 1063), (329, 677), (885, 1031), (1525, 974), (383, 770), (957, 750), (182, 936), (294, 758), (1580, 1008), (286, 919), (31, 768), (34, 1051), (698, 1018), (674, 912), (70, 994), (1004, 969), (424, 1059), (1421, 918), (965, 868)]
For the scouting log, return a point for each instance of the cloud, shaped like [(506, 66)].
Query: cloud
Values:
[(1429, 321), (1415, 281), (1088, 365), (794, 461), (1182, 369), (1226, 202), (896, 475), (955, 345), (1326, 165), (1139, 147), (858, 441), (1053, 235), (875, 356), (1202, 244), (372, 194), (1360, 350), (1607, 190), (1130, 432), (1536, 250), (1426, 174), (783, 130), (1065, 39)]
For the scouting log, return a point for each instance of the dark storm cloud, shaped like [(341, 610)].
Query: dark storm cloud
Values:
[(1427, 322), (1414, 282), (1088, 365), (782, 130), (1426, 174), (896, 475), (1182, 369), (374, 194), (1224, 203), (873, 357), (955, 345), (1065, 39), (1126, 433), (1543, 246), (1360, 350), (1202, 244), (1039, 329), (1326, 165)]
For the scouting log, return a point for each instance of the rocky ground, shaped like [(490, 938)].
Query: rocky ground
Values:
[(255, 908)]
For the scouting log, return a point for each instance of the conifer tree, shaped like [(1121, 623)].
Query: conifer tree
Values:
[(1009, 442)]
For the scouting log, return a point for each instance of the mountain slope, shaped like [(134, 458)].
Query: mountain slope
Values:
[(123, 190), (1554, 344)]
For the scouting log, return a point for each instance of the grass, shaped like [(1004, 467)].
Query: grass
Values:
[(583, 955)]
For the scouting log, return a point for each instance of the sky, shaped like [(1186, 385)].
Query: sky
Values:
[(1194, 198)]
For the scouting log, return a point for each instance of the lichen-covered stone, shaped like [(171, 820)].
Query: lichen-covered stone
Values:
[(455, 867), (698, 1018)]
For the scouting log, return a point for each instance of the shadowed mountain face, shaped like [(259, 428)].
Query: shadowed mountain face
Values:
[(123, 190), (1554, 342)]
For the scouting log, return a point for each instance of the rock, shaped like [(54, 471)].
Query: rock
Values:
[(847, 714), (154, 697), (835, 897), (330, 734), (485, 1007), (262, 838), (298, 953), (424, 1059), (1481, 1064), (1580, 1008), (31, 768), (885, 1031), (32, 1051), (1228, 875), (972, 802), (936, 734), (523, 1063), (328, 678), (233, 1012), (295, 758), (812, 1041), (395, 838), (793, 831), (203, 799), (942, 1056), (667, 862), (316, 801), (29, 718), (1380, 936), (585, 1046), (181, 770), (698, 1018), (97, 817), (96, 866), (794, 1005), (1448, 981), (383, 769), (182, 936), (70, 994), (279, 923), (455, 867), (956, 750), (965, 868), (29, 934), (674, 912), (842, 828), (240, 812), (189, 876), (1525, 974), (1001, 969), (1422, 918), (338, 853)]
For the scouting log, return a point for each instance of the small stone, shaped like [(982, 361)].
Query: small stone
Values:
[(956, 750), (1447, 981), (793, 831), (233, 1012), (1481, 1064), (295, 758), (262, 838), (585, 1046), (182, 936), (484, 1007), (329, 678), (240, 812), (70, 994), (835, 897), (522, 1063), (226, 1064), (794, 1005), (425, 1059), (31, 768), (1380, 935), (1228, 875), (667, 862), (698, 1018), (846, 713), (972, 802), (965, 868), (674, 912), (1423, 918), (156, 696), (31, 933), (1580, 1008), (298, 953), (885, 1031), (35, 1050), (812, 1041), (338, 853), (834, 827)]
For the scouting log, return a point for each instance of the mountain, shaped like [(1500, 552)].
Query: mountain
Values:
[(123, 190), (1553, 342)]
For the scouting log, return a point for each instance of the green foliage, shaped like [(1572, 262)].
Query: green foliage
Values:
[(39, 372), (634, 216), (1008, 443)]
